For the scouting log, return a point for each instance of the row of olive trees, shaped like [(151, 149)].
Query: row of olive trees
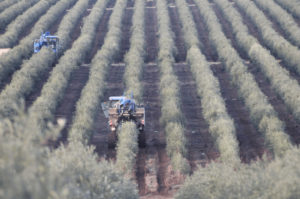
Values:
[(220, 123), (279, 45), (12, 12), (283, 84), (4, 4), (292, 6), (134, 59), (30, 170), (261, 111), (279, 179), (53, 90), (127, 146), (171, 116), (11, 36), (24, 80), (281, 16), (88, 105), (12, 60)]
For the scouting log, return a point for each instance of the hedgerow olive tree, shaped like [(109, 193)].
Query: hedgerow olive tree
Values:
[(134, 59), (171, 116), (262, 113), (12, 12), (279, 45), (53, 90), (4, 4), (292, 6), (12, 60), (286, 21), (30, 170), (89, 103), (24, 80), (279, 179), (220, 123), (11, 36)]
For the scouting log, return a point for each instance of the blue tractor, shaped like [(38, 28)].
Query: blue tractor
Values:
[(120, 109), (46, 40)]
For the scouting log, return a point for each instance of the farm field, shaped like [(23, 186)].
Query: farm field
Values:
[(219, 80)]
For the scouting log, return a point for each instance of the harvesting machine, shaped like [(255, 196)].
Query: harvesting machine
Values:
[(120, 109), (46, 40)]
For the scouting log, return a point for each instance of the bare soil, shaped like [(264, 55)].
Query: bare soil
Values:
[(177, 29), (126, 32), (67, 106), (101, 32), (151, 32), (158, 177)]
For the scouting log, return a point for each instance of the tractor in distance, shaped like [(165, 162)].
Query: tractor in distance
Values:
[(46, 40)]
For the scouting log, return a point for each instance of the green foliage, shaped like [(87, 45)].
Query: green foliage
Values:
[(292, 6), (279, 45), (89, 103), (5, 4), (84, 177), (12, 12), (171, 115), (134, 59), (13, 31), (30, 170), (278, 179), (284, 19), (127, 147), (261, 112), (12, 60), (23, 81), (53, 90), (221, 125)]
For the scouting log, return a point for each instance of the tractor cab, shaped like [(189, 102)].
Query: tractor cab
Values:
[(46, 40), (120, 109)]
